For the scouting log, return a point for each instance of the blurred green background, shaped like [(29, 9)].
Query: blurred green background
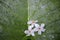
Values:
[(14, 15), (13, 18)]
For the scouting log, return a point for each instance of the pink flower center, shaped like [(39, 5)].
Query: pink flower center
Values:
[(29, 31), (39, 28)]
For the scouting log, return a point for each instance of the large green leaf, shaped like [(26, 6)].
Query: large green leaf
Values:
[(14, 15)]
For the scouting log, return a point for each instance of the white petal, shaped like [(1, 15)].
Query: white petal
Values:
[(43, 30), (39, 32), (42, 25), (26, 32), (33, 34), (29, 22), (30, 27), (36, 25), (35, 29)]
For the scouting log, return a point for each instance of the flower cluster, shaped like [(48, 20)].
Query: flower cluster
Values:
[(34, 27)]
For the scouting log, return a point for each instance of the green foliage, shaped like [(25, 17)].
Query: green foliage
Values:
[(13, 18), (14, 15)]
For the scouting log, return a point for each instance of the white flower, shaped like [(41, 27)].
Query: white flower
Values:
[(40, 29), (36, 27), (29, 32), (33, 27), (32, 22)]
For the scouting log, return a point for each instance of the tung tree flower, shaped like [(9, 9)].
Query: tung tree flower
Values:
[(34, 27), (33, 23), (40, 29), (29, 32)]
